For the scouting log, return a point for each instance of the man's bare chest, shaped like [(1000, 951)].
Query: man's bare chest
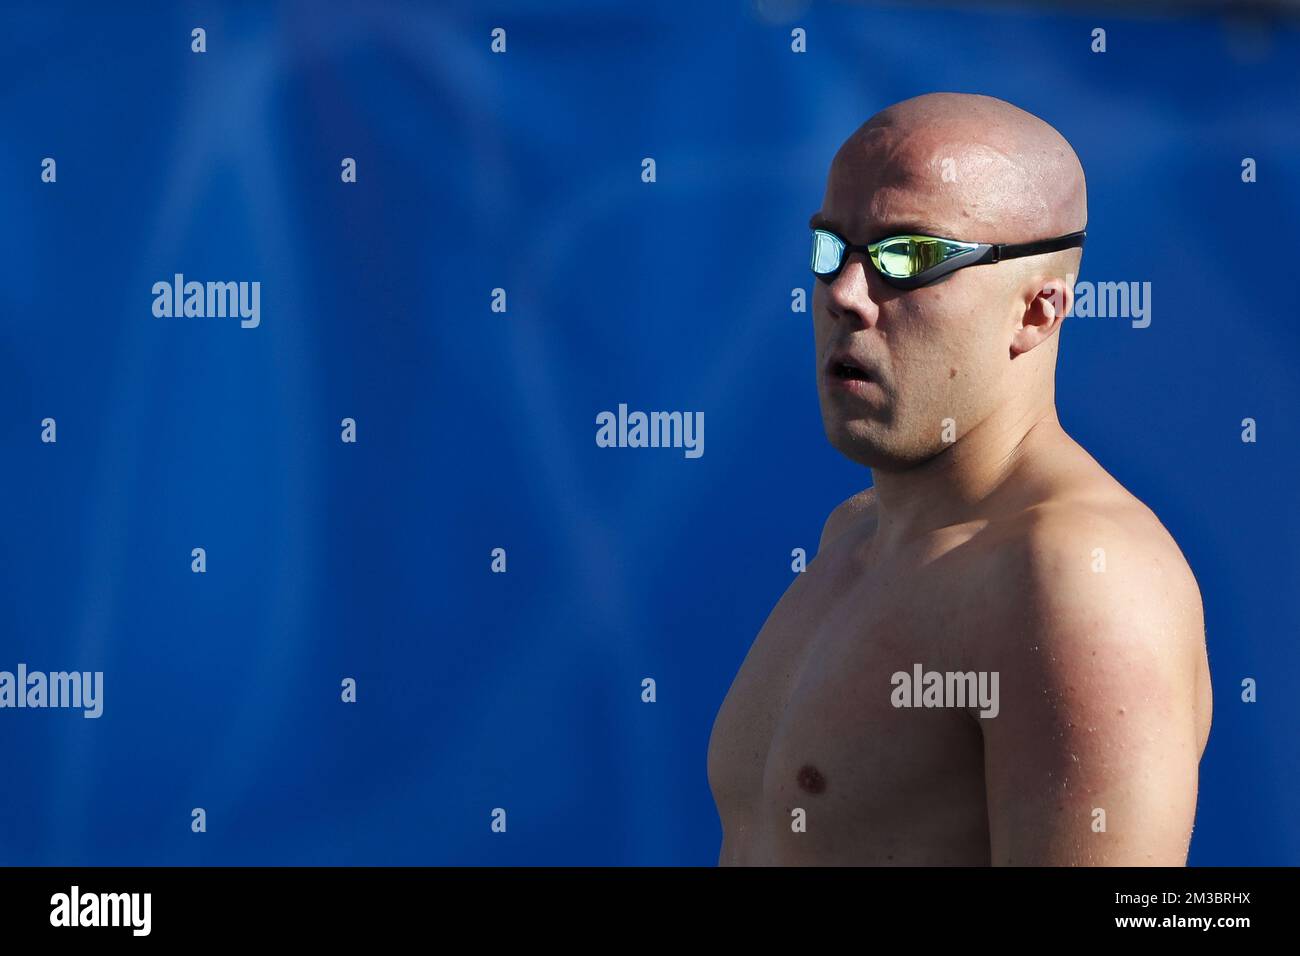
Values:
[(813, 720)]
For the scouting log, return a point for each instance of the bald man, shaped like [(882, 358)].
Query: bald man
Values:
[(998, 654)]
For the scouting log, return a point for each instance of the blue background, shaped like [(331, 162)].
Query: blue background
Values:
[(476, 429)]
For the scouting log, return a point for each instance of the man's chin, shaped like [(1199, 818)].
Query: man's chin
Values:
[(861, 442), (867, 446)]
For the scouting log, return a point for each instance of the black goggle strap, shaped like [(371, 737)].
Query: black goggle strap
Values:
[(1020, 250)]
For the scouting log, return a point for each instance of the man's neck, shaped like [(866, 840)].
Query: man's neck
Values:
[(955, 485)]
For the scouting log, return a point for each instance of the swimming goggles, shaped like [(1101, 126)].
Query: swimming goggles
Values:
[(911, 261)]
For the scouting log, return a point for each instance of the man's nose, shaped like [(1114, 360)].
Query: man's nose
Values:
[(852, 295)]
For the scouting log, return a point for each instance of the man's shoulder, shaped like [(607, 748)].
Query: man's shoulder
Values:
[(847, 513), (1086, 533), (1089, 563)]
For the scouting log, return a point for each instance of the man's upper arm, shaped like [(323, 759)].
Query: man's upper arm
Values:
[(1092, 757)]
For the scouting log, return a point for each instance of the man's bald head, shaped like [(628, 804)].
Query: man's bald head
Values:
[(979, 342), (990, 170)]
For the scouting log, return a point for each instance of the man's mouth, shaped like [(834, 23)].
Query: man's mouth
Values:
[(845, 373), (848, 371), (847, 367)]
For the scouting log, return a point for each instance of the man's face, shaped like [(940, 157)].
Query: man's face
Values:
[(928, 355)]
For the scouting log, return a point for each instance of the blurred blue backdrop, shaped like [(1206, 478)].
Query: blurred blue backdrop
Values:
[(476, 429)]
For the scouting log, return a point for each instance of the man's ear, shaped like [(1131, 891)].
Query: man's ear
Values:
[(1046, 304)]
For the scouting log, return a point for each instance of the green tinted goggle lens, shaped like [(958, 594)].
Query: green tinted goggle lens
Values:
[(908, 256)]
